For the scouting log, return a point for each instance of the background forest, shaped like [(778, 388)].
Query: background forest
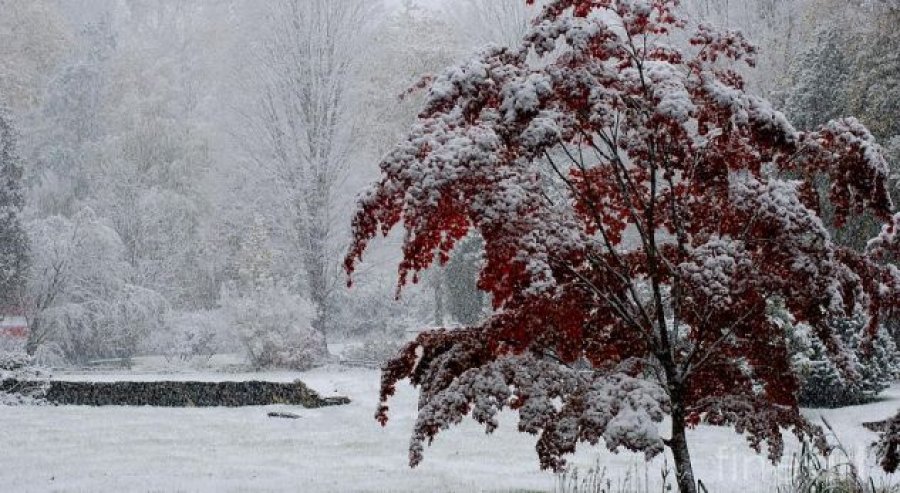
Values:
[(181, 174)]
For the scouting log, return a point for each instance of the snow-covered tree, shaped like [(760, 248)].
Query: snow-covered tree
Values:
[(850, 67), (79, 301), (70, 125), (819, 91), (639, 210), (304, 127), (465, 302), (491, 22), (823, 384), (33, 38), (274, 325), (874, 88), (14, 253)]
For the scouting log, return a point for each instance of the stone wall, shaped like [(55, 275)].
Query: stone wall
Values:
[(178, 394)]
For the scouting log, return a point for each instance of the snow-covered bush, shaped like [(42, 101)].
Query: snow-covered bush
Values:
[(80, 294), (370, 310), (372, 353), (20, 381), (13, 364), (273, 324), (193, 336), (275, 327), (822, 384)]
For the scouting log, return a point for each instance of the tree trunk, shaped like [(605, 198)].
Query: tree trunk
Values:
[(313, 233), (684, 470), (33, 341), (438, 285)]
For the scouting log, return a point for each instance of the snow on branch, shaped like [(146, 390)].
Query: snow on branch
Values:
[(561, 405)]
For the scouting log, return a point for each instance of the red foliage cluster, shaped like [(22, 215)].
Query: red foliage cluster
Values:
[(640, 212)]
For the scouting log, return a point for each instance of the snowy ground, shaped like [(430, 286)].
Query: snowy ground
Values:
[(71, 448)]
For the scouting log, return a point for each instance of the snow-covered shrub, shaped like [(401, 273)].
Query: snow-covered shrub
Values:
[(275, 326), (109, 327), (371, 310), (823, 384), (49, 355), (20, 381), (13, 364), (193, 336), (372, 353), (80, 294)]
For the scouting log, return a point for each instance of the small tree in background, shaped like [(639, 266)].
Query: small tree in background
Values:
[(639, 211), (274, 325), (820, 80), (79, 302), (823, 384), (13, 239), (465, 302)]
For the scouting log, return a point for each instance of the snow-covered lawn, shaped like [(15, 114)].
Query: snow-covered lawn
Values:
[(334, 449)]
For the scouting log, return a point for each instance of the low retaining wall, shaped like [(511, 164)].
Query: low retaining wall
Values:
[(177, 394)]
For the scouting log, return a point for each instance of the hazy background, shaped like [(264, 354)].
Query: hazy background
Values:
[(190, 167)]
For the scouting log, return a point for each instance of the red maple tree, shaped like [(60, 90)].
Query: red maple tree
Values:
[(641, 212)]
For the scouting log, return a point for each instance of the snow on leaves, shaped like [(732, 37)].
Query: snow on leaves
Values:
[(559, 404), (888, 241), (717, 269)]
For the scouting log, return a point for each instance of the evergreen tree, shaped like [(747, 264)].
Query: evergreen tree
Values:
[(820, 80), (13, 240), (823, 384), (874, 88)]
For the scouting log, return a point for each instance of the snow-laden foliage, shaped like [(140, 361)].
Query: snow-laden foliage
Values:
[(13, 239), (20, 381), (562, 405), (637, 204), (193, 337), (80, 299), (275, 327), (823, 384)]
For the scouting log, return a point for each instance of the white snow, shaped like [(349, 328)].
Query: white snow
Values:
[(70, 448)]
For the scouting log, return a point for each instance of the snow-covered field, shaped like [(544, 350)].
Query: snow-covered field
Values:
[(336, 449)]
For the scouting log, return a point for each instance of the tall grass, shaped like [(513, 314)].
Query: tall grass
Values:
[(596, 479), (810, 472)]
